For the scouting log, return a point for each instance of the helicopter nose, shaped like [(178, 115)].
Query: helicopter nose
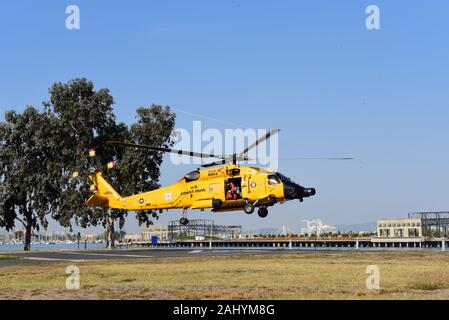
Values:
[(308, 192), (305, 193), (294, 191)]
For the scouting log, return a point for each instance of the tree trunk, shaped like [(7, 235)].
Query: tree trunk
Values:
[(110, 242), (28, 231)]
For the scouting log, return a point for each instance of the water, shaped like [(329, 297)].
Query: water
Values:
[(48, 247)]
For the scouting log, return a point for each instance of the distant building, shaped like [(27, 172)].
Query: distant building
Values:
[(90, 237), (399, 228), (433, 223), (160, 231), (132, 237), (316, 227), (202, 228), (19, 234)]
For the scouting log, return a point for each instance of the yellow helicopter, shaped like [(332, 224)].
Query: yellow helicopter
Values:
[(228, 187)]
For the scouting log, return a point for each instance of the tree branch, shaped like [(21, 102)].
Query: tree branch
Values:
[(24, 224)]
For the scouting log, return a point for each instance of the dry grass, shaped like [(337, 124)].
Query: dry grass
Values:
[(296, 276)]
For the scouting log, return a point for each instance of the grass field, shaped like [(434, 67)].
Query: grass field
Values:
[(411, 275), (8, 257)]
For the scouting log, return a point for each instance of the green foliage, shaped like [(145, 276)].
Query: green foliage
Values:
[(39, 151), (85, 120), (29, 174), (139, 170)]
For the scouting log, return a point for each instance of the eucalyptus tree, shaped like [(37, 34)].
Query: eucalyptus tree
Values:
[(29, 172), (87, 121), (39, 152)]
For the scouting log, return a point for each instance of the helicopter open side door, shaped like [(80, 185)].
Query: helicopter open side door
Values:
[(233, 189)]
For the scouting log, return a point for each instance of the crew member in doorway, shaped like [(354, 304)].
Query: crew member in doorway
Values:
[(231, 192)]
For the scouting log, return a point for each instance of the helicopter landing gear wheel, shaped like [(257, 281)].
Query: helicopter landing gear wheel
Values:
[(248, 208), (184, 221), (263, 212)]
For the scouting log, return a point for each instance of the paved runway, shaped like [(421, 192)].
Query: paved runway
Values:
[(36, 257)]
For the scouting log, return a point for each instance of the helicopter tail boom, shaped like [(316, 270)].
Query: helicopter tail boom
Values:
[(104, 194)]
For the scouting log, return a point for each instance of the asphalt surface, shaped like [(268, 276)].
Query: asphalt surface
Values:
[(45, 257)]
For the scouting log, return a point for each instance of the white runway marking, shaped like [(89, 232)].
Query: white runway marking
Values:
[(196, 251), (107, 254), (57, 259)]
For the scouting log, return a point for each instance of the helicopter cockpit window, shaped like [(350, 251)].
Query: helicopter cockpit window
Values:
[(283, 178), (273, 179), (192, 176)]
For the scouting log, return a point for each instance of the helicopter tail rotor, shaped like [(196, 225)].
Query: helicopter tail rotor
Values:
[(100, 187)]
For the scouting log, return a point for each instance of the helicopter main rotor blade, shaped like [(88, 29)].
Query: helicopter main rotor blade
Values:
[(255, 144), (217, 163), (180, 152), (309, 158), (319, 158)]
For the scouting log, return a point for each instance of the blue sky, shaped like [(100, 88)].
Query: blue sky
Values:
[(310, 68)]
